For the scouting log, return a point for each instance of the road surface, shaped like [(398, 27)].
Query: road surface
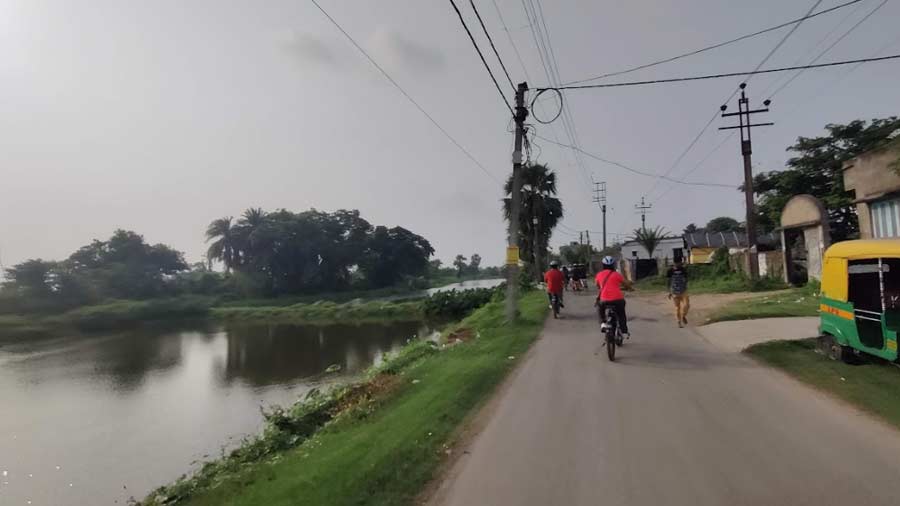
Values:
[(675, 420)]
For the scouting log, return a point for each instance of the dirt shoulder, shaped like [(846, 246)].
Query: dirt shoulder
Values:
[(702, 304)]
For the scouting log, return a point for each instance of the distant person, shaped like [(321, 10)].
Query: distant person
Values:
[(554, 279), (609, 286), (567, 276), (678, 291)]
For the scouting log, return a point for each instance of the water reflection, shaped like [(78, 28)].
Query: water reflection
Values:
[(282, 353), (168, 395)]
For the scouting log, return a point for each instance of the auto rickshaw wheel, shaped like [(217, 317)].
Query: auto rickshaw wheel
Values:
[(832, 349)]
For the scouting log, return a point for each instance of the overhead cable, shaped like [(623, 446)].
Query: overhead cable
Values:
[(714, 46), (405, 94)]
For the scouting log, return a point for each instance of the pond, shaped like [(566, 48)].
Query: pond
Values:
[(468, 285), (96, 420)]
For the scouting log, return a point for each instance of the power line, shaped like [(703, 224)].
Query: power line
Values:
[(719, 76), (481, 55), (696, 167), (551, 71), (636, 171), (521, 62), (733, 93), (827, 49), (405, 94), (714, 46), (488, 35)]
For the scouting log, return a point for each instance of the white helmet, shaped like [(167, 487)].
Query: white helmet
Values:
[(608, 261)]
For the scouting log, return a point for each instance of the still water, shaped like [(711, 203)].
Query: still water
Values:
[(468, 285), (96, 420)]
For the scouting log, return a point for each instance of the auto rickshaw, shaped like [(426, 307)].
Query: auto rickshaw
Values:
[(860, 304)]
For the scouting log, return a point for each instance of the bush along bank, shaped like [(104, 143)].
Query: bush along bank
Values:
[(377, 442)]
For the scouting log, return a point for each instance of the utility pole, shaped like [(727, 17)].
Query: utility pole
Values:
[(642, 208), (744, 125), (600, 200), (512, 249)]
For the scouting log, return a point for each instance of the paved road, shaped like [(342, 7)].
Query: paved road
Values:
[(674, 421)]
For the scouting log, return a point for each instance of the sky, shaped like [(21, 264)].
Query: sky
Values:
[(160, 116)]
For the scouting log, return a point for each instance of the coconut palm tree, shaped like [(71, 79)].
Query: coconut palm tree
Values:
[(649, 239), (251, 233), (224, 247), (539, 211)]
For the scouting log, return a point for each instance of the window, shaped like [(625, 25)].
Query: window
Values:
[(886, 218)]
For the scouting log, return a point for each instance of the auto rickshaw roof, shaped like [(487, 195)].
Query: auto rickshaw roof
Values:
[(865, 248)]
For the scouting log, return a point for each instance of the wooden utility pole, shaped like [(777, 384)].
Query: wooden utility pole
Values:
[(600, 200), (512, 249), (744, 125)]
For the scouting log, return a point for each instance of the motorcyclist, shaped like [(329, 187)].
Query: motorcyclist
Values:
[(554, 279), (609, 284)]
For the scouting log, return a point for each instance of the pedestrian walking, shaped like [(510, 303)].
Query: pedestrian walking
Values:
[(678, 291)]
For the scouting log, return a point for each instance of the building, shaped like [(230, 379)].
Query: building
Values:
[(668, 249), (874, 177), (701, 245)]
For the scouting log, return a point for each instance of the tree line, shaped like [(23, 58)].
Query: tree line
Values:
[(263, 254)]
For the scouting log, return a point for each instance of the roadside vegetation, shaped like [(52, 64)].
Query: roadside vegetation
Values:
[(375, 443), (716, 277), (794, 302), (873, 386)]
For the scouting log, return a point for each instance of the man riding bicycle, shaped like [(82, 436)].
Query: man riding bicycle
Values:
[(609, 285), (554, 279)]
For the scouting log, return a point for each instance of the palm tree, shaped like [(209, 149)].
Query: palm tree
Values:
[(649, 239), (251, 235), (224, 246), (539, 212)]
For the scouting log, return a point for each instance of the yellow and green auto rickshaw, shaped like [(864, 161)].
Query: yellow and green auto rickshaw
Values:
[(860, 305)]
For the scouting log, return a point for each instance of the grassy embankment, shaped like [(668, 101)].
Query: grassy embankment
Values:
[(122, 314), (377, 443), (795, 302), (873, 387)]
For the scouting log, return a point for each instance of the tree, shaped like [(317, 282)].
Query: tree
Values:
[(394, 253), (724, 224), (575, 253), (539, 212), (460, 263), (475, 263), (691, 228), (817, 170), (649, 239), (224, 247)]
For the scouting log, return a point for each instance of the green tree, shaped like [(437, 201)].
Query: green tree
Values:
[(475, 263), (539, 212), (460, 263), (575, 253), (224, 247), (691, 228), (724, 224), (394, 253), (817, 170), (649, 238)]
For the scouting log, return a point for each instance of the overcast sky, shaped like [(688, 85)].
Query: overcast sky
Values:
[(160, 116)]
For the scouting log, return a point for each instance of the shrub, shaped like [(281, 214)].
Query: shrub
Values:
[(457, 303)]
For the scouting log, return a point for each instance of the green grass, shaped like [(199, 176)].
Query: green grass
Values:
[(874, 387), (386, 456), (110, 315), (703, 279), (325, 311), (795, 302)]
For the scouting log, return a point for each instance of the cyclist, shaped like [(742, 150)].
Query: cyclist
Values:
[(554, 279), (567, 276), (609, 284)]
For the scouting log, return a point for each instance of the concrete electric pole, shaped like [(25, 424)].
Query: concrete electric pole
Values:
[(744, 125), (600, 200), (512, 249), (642, 208)]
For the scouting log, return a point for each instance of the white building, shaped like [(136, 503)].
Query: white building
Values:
[(669, 249)]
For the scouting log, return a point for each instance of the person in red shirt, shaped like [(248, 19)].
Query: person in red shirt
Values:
[(555, 280), (609, 285)]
